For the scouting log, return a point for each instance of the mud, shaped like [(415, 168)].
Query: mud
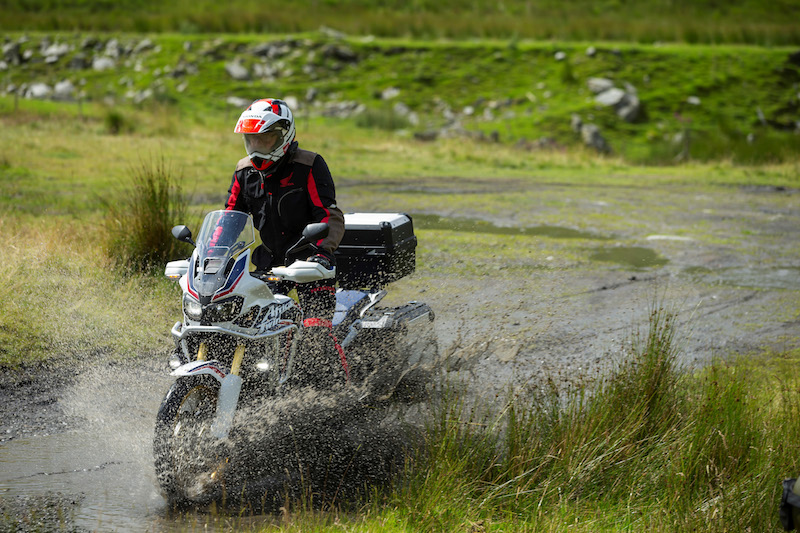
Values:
[(727, 260)]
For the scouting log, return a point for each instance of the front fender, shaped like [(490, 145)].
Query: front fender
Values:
[(196, 368)]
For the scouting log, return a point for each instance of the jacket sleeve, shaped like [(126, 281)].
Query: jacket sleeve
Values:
[(322, 198), (235, 197)]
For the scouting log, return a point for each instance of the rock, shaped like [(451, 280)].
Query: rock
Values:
[(576, 122), (693, 100), (592, 138), (142, 95), (599, 85), (237, 71), (54, 52), (560, 55), (610, 97), (101, 63), (113, 48), (292, 102), (389, 93), (630, 108), (79, 62), (238, 102), (91, 43), (339, 53), (626, 103), (264, 71), (3, 66), (38, 91), (591, 51), (12, 53), (311, 94), (426, 136), (143, 46), (63, 91)]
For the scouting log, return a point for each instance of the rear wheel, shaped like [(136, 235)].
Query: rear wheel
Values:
[(188, 461)]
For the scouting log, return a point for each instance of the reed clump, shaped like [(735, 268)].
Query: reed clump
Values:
[(652, 446)]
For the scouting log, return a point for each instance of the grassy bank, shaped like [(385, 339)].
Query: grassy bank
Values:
[(743, 21), (697, 103), (651, 447)]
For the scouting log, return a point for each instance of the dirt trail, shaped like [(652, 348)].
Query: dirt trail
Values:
[(727, 260)]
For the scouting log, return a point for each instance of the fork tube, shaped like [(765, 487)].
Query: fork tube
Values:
[(238, 355), (202, 352)]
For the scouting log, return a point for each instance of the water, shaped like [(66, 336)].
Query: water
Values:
[(631, 256), (468, 225), (105, 464), (101, 473)]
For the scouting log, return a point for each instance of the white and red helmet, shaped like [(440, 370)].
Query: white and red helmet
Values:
[(268, 130)]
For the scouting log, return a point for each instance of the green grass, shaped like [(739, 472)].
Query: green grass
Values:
[(650, 447), (520, 95), (743, 21), (68, 302)]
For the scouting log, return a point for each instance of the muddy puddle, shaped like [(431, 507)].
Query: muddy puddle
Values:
[(469, 225), (99, 475)]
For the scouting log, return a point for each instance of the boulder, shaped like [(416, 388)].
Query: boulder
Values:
[(143, 46), (576, 122), (592, 138), (79, 62), (101, 63), (38, 91), (235, 101), (598, 85), (237, 71), (12, 53), (54, 52), (64, 91), (389, 93), (611, 97), (113, 48), (339, 53)]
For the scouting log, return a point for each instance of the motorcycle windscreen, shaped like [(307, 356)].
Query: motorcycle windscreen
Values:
[(225, 235)]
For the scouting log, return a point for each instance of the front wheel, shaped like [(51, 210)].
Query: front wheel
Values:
[(188, 462)]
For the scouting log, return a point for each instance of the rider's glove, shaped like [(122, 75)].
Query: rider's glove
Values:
[(322, 260)]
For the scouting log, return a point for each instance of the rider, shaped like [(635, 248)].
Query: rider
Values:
[(285, 188)]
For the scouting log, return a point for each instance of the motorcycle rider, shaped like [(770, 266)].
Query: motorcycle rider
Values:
[(285, 188)]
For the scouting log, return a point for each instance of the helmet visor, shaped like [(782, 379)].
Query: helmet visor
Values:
[(263, 143)]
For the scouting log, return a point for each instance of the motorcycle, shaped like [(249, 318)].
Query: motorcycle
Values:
[(238, 346)]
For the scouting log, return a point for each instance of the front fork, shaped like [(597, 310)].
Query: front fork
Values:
[(229, 390)]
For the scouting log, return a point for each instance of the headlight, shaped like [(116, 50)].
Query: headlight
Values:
[(224, 311), (192, 307)]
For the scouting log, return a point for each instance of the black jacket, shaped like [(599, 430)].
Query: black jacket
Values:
[(298, 192)]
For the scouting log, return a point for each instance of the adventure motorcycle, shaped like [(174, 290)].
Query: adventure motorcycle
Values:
[(241, 337)]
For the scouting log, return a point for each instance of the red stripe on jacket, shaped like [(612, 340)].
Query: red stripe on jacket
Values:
[(235, 190), (315, 199)]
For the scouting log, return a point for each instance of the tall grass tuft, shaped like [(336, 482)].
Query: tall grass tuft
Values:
[(139, 225), (651, 446)]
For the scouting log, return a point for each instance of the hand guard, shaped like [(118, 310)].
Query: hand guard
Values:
[(322, 260)]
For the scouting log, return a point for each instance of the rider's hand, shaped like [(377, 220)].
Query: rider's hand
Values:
[(322, 260)]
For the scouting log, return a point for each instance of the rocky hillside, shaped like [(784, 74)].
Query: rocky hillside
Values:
[(648, 103)]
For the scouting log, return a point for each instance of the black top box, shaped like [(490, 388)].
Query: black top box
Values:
[(377, 249)]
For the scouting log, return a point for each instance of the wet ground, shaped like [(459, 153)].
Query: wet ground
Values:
[(593, 261)]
